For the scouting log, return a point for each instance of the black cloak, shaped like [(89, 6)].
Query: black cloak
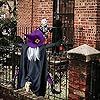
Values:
[(33, 71)]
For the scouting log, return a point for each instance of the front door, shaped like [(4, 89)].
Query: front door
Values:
[(63, 10)]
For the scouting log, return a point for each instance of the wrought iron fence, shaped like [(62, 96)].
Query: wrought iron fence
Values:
[(57, 70), (61, 80), (57, 67)]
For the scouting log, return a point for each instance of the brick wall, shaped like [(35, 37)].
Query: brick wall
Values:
[(85, 22), (24, 13), (42, 9), (31, 18), (77, 80), (86, 18)]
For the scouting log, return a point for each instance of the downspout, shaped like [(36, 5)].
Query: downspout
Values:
[(32, 17)]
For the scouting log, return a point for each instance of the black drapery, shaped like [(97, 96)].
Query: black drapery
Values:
[(33, 71)]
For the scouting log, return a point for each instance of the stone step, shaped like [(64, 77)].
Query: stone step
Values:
[(8, 93)]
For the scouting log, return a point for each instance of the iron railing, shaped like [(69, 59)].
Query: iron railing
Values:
[(57, 67), (58, 87)]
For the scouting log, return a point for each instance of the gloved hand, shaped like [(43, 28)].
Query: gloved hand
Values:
[(27, 86)]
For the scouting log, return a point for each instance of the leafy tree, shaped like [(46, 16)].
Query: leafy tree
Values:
[(8, 25), (11, 21), (11, 10)]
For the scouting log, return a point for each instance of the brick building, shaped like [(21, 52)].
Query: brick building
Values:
[(30, 13), (80, 19), (81, 24), (86, 22)]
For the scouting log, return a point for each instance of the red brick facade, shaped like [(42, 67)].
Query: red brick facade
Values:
[(31, 12), (86, 18), (24, 13), (86, 22), (77, 80)]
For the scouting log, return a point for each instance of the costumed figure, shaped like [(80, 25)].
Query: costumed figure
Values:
[(44, 27), (33, 64), (33, 74)]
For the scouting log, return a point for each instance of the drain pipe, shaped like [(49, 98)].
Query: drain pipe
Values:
[(32, 16)]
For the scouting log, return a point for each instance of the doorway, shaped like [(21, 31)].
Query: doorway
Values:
[(63, 10)]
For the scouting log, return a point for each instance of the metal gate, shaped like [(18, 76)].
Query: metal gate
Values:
[(63, 10)]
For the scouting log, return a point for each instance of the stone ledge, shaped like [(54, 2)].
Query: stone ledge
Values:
[(8, 93)]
